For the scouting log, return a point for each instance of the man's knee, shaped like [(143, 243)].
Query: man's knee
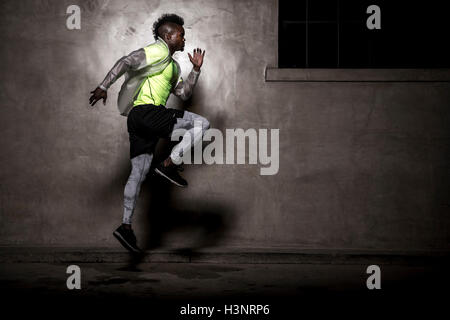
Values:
[(198, 118), (205, 123), (139, 173), (140, 165)]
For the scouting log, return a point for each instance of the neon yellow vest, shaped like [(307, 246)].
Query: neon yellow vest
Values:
[(158, 60), (157, 87)]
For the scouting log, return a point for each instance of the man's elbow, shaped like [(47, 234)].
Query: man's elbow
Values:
[(184, 95)]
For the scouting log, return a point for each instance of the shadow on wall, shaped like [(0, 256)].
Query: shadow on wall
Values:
[(164, 216)]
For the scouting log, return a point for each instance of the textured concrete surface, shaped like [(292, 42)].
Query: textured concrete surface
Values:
[(358, 75), (292, 290), (362, 165), (224, 255)]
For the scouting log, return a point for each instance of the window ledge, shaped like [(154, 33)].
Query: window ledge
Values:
[(356, 75)]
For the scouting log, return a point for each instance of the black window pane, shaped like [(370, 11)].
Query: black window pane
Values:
[(322, 10), (355, 10), (322, 45), (354, 45), (292, 10), (292, 52), (413, 34)]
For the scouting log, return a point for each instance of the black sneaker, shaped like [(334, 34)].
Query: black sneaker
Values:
[(127, 238), (171, 174)]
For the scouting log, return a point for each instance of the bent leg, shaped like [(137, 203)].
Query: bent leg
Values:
[(192, 135), (139, 169)]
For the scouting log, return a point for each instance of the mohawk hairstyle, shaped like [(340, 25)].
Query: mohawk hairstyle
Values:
[(167, 17)]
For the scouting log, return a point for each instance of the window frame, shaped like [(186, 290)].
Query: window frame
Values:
[(342, 74)]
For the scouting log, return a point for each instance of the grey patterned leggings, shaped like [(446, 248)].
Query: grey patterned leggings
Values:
[(140, 165)]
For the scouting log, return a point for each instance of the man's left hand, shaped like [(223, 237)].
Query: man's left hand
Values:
[(197, 59)]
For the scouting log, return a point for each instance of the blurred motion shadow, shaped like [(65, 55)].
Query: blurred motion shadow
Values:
[(163, 215)]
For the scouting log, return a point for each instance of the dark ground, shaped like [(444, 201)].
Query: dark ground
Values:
[(159, 290)]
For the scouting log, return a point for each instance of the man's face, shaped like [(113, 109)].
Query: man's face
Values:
[(177, 40)]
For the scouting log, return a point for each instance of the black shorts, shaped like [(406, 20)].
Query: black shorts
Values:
[(147, 123)]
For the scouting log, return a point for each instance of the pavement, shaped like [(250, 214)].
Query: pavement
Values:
[(169, 290)]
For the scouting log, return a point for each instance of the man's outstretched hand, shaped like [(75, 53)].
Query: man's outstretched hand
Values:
[(98, 94), (197, 59)]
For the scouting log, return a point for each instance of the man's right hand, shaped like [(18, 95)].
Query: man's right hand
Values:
[(98, 94)]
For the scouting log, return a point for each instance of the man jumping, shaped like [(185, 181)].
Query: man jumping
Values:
[(151, 74)]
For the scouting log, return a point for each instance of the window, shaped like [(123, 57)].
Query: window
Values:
[(334, 34)]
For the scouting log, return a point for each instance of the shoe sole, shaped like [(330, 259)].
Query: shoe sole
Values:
[(124, 243), (168, 178)]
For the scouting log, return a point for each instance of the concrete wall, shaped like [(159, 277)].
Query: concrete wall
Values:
[(362, 165)]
